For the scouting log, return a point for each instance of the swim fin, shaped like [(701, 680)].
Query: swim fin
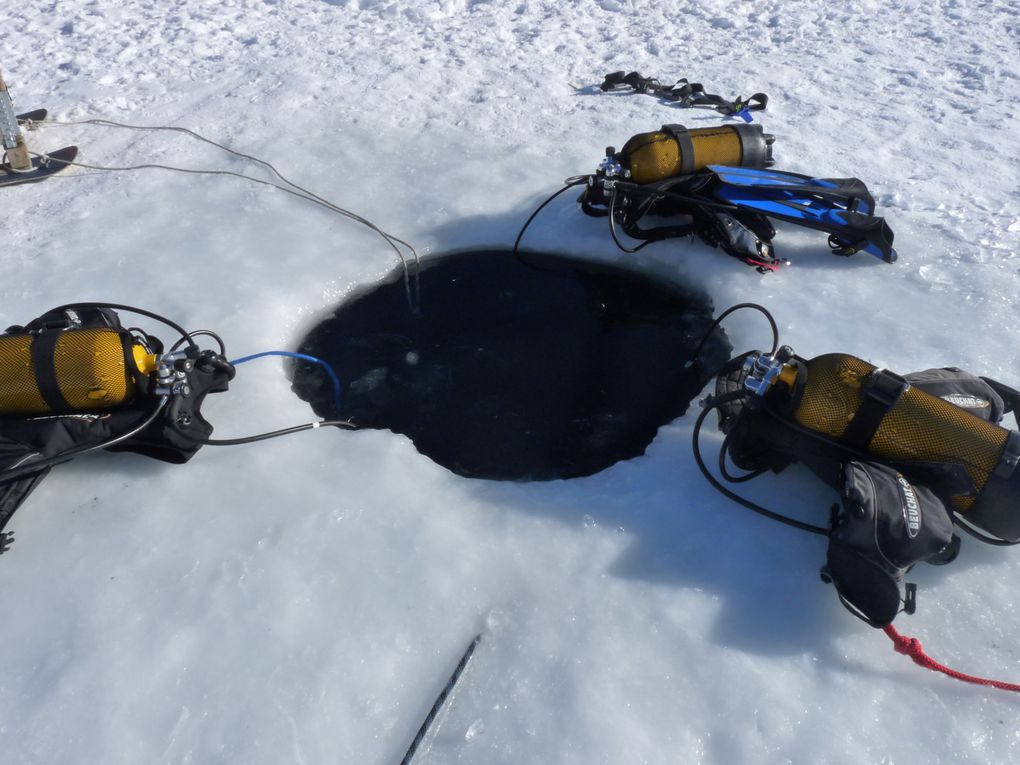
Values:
[(776, 180), (843, 207)]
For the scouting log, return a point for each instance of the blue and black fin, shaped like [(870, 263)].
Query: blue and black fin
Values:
[(842, 207)]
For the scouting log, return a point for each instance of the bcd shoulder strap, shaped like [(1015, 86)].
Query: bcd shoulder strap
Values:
[(1010, 396)]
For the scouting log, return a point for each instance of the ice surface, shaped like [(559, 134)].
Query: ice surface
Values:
[(304, 599)]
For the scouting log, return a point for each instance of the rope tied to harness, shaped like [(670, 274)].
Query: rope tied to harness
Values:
[(910, 646)]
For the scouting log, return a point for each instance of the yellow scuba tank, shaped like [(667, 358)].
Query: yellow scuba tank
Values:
[(674, 150), (69, 370), (847, 400)]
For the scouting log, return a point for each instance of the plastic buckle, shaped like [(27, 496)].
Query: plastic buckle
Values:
[(910, 598), (885, 387)]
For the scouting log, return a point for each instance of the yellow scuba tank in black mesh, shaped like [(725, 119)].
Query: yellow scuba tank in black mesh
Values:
[(918, 427), (72, 370)]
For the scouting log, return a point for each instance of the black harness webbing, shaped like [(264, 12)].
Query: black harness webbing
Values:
[(685, 94), (1010, 396)]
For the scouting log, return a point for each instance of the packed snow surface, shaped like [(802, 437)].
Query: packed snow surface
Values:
[(304, 600)]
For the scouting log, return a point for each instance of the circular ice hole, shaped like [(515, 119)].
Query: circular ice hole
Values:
[(519, 368)]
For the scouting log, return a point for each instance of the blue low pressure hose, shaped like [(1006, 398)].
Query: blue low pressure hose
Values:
[(303, 357)]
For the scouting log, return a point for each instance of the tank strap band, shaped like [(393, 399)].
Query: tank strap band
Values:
[(881, 392), (680, 135), (44, 349)]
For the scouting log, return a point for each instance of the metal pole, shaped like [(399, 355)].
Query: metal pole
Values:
[(15, 150), (438, 705)]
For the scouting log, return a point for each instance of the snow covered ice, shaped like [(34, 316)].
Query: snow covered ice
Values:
[(304, 599)]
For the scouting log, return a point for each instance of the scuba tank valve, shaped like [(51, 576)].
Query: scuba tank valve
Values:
[(762, 372)]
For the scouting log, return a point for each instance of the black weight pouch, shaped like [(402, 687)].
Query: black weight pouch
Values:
[(884, 526)]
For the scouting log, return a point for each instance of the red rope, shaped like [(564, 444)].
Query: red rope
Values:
[(912, 647)]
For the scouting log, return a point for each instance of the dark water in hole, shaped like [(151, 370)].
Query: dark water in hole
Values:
[(549, 368)]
